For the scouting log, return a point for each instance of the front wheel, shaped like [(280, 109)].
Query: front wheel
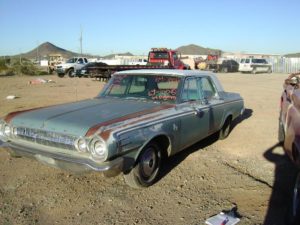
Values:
[(70, 72), (147, 167), (281, 135)]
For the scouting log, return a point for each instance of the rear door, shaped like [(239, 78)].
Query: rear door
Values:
[(245, 65)]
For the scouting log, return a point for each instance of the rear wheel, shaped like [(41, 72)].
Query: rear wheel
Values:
[(224, 132), (293, 217), (225, 70), (269, 70), (147, 167)]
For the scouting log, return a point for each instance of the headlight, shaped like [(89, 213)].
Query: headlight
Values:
[(81, 145), (98, 149), (7, 130), (1, 129)]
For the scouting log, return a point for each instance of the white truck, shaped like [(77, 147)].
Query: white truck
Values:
[(71, 65), (254, 66)]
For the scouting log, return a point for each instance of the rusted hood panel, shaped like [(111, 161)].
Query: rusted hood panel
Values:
[(77, 118)]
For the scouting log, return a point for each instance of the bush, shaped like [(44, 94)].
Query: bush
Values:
[(15, 66), (41, 73), (3, 64)]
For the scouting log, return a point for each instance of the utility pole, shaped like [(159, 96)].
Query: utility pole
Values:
[(37, 52), (80, 39)]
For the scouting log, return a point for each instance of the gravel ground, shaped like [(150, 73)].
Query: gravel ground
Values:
[(248, 168)]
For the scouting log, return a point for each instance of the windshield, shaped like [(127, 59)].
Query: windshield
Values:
[(161, 88), (72, 60), (159, 55), (259, 61)]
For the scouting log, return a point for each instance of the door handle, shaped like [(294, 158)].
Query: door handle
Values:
[(199, 112)]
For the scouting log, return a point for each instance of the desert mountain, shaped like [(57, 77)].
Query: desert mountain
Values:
[(47, 48), (293, 55), (197, 50), (43, 50)]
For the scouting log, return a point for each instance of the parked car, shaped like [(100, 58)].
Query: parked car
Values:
[(228, 65), (139, 118), (254, 66), (289, 135), (289, 119), (70, 66)]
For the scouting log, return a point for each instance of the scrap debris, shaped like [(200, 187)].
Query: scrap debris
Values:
[(11, 97), (225, 218), (40, 81)]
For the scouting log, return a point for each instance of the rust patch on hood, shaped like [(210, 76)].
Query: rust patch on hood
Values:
[(11, 115), (105, 135)]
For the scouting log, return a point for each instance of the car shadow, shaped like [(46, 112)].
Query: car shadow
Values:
[(175, 160), (247, 113), (282, 188)]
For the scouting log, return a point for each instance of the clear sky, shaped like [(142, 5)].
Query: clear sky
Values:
[(115, 26)]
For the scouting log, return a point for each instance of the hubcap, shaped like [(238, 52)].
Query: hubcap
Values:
[(148, 162)]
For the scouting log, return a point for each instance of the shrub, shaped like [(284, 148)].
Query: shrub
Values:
[(17, 66)]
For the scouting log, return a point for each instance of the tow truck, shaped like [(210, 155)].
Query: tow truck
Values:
[(158, 58)]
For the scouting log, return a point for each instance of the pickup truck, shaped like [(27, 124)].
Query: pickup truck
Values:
[(71, 66), (158, 58), (254, 66)]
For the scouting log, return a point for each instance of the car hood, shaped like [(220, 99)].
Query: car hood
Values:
[(77, 118)]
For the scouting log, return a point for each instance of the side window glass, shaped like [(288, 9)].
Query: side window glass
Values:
[(175, 57), (85, 60), (80, 61), (247, 61), (190, 90), (208, 89), (137, 85)]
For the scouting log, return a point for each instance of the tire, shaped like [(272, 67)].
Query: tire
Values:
[(224, 132), (225, 70), (253, 71), (269, 70), (70, 72), (147, 167), (281, 135), (61, 75), (293, 215)]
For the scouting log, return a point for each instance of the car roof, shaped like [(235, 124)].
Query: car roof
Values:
[(174, 72), (168, 72)]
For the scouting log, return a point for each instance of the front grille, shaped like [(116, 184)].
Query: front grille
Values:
[(46, 138)]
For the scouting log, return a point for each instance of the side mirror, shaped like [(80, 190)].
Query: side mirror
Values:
[(205, 101)]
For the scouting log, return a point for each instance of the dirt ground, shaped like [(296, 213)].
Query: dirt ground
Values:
[(248, 168)]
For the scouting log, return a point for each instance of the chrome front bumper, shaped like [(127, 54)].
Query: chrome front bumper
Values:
[(64, 161)]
